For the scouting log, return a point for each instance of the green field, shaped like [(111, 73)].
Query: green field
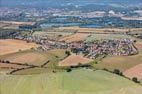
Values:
[(105, 36), (56, 35), (80, 81)]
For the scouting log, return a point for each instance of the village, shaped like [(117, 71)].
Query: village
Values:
[(89, 49)]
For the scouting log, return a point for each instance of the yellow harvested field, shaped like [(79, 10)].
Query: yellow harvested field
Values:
[(17, 23), (26, 58), (131, 18), (74, 38), (10, 46), (100, 30), (73, 60), (135, 71)]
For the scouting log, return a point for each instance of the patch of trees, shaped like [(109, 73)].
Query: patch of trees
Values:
[(8, 62), (4, 61), (20, 69), (45, 63), (81, 66)]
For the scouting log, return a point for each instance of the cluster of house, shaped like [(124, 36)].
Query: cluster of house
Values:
[(89, 49), (123, 47)]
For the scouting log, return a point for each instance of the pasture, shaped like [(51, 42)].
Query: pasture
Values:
[(81, 81)]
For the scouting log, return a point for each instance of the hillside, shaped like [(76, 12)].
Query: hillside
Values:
[(79, 81)]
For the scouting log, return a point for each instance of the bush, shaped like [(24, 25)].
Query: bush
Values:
[(105, 69), (7, 61), (68, 53), (116, 71), (121, 74), (3, 61), (57, 56), (96, 62), (69, 70), (54, 71), (135, 79)]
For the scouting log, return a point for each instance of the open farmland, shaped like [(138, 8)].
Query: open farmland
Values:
[(105, 36), (10, 46), (13, 24), (74, 38), (131, 18), (99, 30), (135, 71), (73, 60), (51, 35), (44, 61), (8, 26), (120, 62), (33, 57), (129, 65), (80, 81), (9, 67), (30, 57), (17, 23)]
